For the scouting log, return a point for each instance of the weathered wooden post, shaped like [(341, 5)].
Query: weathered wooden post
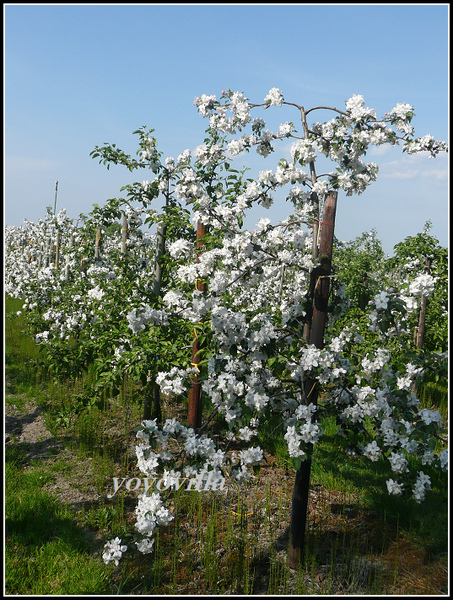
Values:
[(321, 285), (70, 246), (55, 202), (29, 251), (40, 255), (124, 235), (57, 249), (194, 417), (47, 253), (97, 245)]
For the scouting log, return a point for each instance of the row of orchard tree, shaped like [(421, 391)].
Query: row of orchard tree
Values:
[(270, 329)]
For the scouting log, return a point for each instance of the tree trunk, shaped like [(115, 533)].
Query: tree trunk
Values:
[(151, 403), (321, 284), (194, 416), (160, 251), (420, 330)]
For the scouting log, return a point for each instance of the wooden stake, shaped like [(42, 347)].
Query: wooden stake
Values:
[(320, 301), (124, 235), (57, 249), (97, 246)]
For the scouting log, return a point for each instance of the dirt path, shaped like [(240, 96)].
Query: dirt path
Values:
[(25, 427)]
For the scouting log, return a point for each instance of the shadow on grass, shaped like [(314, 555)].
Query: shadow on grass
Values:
[(42, 523), (427, 521), (34, 517), (46, 550)]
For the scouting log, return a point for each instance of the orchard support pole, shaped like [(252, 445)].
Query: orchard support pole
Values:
[(320, 302), (67, 268), (57, 249), (97, 246), (55, 201), (194, 417), (124, 236)]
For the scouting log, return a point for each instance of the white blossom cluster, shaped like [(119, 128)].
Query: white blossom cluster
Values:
[(423, 285), (150, 513), (138, 318), (113, 551)]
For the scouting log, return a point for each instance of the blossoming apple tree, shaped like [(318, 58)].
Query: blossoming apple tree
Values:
[(261, 298)]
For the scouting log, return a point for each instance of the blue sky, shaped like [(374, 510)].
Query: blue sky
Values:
[(77, 76)]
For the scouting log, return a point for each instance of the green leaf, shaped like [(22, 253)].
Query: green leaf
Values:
[(297, 462)]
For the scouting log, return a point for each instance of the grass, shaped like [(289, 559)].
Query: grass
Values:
[(58, 516), (22, 356), (46, 551)]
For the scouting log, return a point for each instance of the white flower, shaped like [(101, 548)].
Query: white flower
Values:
[(403, 114), (398, 462), (410, 446), (145, 546), (274, 97), (205, 104), (171, 478), (391, 438), (42, 337), (303, 151), (320, 187), (139, 318), (411, 302), (443, 457), (252, 456), (147, 461), (355, 107), (293, 439), (393, 487), (96, 293), (430, 416), (381, 300), (113, 550), (403, 111), (151, 513), (246, 434), (284, 129), (171, 426), (403, 383), (412, 370), (422, 484), (372, 451), (180, 248), (423, 285), (235, 147), (305, 412)]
